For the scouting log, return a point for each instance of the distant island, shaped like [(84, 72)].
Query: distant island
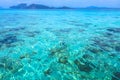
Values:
[(36, 6), (39, 6)]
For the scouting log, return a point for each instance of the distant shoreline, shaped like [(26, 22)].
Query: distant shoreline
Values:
[(108, 9), (25, 6)]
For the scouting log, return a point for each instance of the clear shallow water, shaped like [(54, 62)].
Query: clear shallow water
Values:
[(59, 45)]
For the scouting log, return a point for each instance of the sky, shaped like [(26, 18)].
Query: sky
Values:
[(69, 3)]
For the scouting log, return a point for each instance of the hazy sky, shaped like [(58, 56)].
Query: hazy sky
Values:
[(71, 3)]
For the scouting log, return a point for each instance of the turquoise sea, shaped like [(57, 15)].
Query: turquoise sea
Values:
[(59, 44)]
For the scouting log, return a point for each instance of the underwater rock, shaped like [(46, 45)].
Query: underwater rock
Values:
[(16, 29), (34, 52), (32, 33), (11, 30), (103, 44), (84, 65), (24, 56), (117, 48), (88, 24), (63, 44), (63, 60), (87, 56), (2, 32), (107, 44), (112, 55), (97, 40), (116, 76), (10, 64), (94, 50), (55, 51), (62, 47), (108, 34), (75, 23), (61, 31), (9, 40), (48, 28), (17, 66), (48, 72), (115, 30), (81, 30), (67, 30), (27, 55)]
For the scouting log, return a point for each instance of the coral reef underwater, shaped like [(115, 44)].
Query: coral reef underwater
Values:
[(72, 46)]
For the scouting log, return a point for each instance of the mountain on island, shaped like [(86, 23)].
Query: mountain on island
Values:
[(36, 6), (39, 6), (64, 7), (19, 6), (95, 7)]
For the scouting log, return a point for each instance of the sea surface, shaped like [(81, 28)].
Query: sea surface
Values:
[(59, 44)]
